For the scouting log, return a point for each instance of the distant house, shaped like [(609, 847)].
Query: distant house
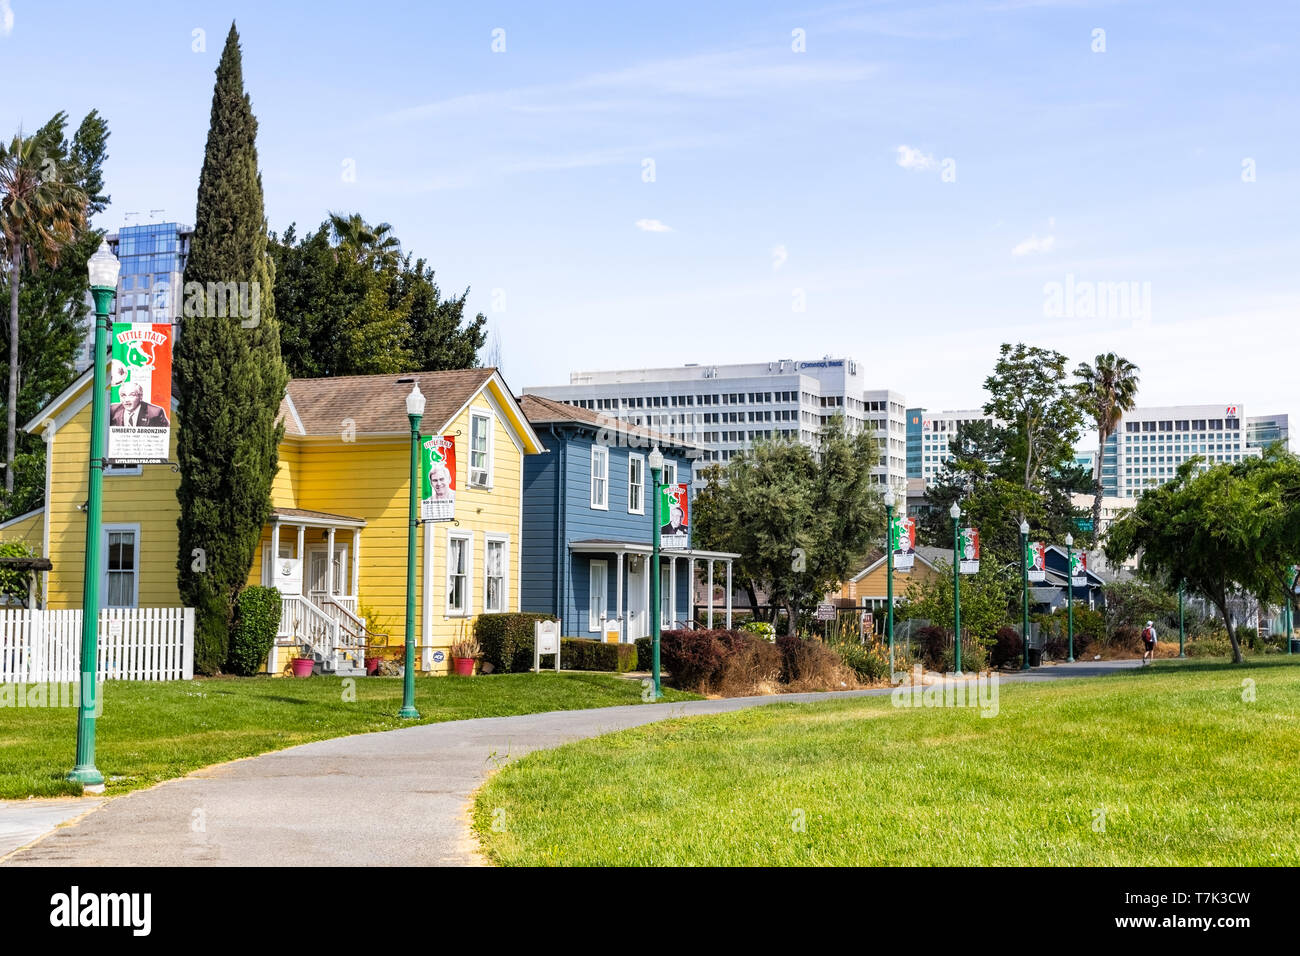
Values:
[(1052, 594), (335, 543), (587, 532), (869, 588)]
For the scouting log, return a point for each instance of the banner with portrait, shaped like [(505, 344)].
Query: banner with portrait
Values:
[(902, 536), (1036, 561), (674, 517), (140, 393), (969, 553), (1079, 569), (437, 477)]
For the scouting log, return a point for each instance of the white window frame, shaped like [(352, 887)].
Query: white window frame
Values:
[(670, 467), (631, 457), (468, 538), (601, 452), (490, 539), (594, 620), (104, 532), (488, 419)]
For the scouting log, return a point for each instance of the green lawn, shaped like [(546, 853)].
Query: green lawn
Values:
[(153, 731), (1165, 765)]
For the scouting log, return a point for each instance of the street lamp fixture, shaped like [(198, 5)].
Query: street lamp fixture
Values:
[(656, 461), (1069, 591), (890, 501), (955, 511), (414, 413), (1024, 589), (104, 269)]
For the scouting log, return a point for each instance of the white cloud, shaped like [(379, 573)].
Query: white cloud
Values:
[(1034, 244), (910, 158), (652, 225), (6, 18)]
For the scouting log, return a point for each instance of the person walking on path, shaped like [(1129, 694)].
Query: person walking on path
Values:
[(1149, 643)]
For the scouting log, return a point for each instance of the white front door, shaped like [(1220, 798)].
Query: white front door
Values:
[(314, 580), (638, 597)]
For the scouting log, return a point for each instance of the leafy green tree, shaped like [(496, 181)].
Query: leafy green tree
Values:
[(1132, 603), (52, 305), (1107, 390), (985, 599), (1221, 531), (14, 584), (42, 212), (349, 306), (229, 373), (800, 520)]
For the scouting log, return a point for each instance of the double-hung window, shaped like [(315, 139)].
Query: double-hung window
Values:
[(496, 559), (121, 565), (480, 450), (636, 484), (460, 565), (597, 593), (600, 477)]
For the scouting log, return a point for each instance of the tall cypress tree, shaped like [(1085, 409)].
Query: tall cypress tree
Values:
[(230, 377)]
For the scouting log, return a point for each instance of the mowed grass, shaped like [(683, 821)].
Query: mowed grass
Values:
[(150, 732), (1161, 766)]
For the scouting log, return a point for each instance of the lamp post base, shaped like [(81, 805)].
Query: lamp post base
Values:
[(408, 713), (89, 778)]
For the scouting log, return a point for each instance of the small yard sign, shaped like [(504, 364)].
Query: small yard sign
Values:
[(546, 640), (825, 612)]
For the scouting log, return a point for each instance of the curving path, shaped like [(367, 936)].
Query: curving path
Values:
[(400, 797)]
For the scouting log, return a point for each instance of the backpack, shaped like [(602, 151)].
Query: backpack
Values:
[(1149, 635)]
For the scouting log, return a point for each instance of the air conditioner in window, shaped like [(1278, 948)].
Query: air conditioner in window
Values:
[(478, 478)]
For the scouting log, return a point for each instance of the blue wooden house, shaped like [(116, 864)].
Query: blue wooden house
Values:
[(587, 535), (1052, 595)]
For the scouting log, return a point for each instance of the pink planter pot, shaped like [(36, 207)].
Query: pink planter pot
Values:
[(302, 666), (464, 666), (372, 665)]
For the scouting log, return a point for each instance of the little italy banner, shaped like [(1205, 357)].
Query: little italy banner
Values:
[(675, 513), (969, 558), (140, 393), (903, 538), (438, 478), (1036, 561)]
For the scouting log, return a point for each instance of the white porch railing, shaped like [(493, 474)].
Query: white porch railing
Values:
[(139, 643), (326, 631)]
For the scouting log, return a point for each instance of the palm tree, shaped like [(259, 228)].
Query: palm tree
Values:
[(41, 213), (374, 244), (1108, 389)]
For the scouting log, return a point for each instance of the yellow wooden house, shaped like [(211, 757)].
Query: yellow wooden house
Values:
[(339, 521), (869, 588)]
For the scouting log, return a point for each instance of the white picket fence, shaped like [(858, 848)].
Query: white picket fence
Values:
[(138, 643)]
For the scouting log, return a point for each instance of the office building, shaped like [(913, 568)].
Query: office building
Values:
[(1150, 443), (938, 429), (153, 259), (725, 408), (1264, 430)]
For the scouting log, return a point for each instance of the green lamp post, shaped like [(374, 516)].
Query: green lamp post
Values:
[(104, 269), (656, 476), (890, 500), (955, 512), (1182, 624), (414, 412), (1024, 589), (1069, 592)]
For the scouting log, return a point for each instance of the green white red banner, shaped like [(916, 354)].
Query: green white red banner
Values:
[(674, 517), (1079, 569), (902, 538), (437, 477), (969, 551), (1036, 561), (140, 393)]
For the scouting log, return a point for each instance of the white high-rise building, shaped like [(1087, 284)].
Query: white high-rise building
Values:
[(726, 407), (938, 429), (1150, 443)]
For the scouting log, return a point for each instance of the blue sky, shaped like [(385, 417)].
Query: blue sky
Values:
[(916, 176)]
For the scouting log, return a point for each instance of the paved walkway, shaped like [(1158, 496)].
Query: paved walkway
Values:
[(400, 797)]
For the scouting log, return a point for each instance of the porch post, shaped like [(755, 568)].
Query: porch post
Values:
[(672, 590), (356, 567), (690, 602), (302, 543), (709, 561), (728, 593), (618, 596), (329, 564), (269, 573)]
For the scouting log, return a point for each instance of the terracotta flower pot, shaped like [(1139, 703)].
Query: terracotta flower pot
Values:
[(464, 666), (302, 666)]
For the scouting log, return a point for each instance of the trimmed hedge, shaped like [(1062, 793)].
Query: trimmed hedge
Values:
[(584, 654), (257, 618), (506, 640)]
